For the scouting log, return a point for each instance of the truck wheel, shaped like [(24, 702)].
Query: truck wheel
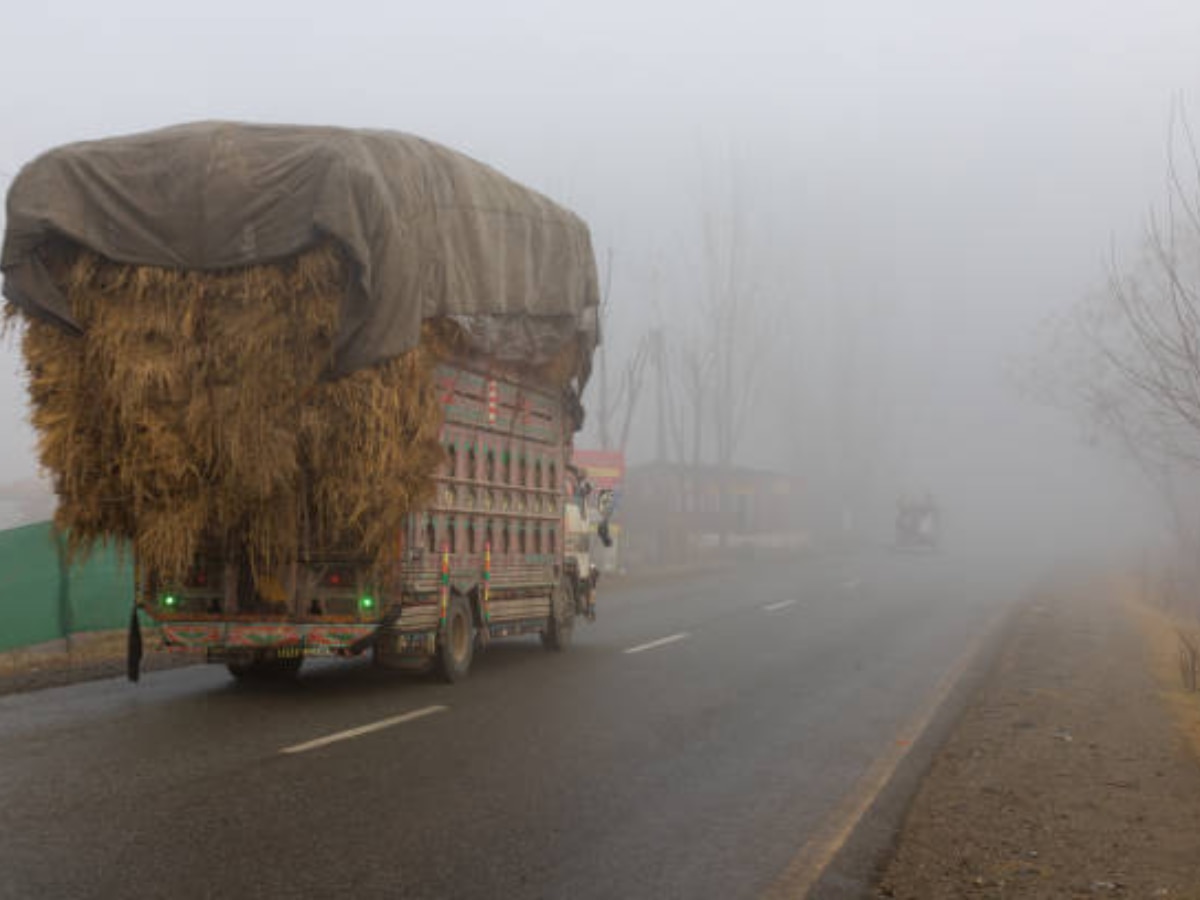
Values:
[(557, 635), (264, 667), (457, 642)]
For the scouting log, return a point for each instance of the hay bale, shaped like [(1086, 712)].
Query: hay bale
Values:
[(194, 408), (371, 440)]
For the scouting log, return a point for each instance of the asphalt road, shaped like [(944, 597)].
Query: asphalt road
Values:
[(698, 766)]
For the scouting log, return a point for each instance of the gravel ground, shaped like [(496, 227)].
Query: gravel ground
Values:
[(1070, 774)]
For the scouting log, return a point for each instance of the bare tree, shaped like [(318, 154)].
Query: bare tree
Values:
[(617, 404), (1143, 332), (738, 333), (705, 359), (630, 389), (693, 365), (1128, 360)]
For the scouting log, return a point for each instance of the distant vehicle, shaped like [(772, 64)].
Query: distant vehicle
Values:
[(918, 523)]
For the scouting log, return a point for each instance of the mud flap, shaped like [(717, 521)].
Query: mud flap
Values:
[(133, 650)]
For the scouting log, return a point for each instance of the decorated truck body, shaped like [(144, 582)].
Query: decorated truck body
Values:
[(497, 553)]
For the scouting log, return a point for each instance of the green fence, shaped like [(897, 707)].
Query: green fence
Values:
[(42, 600)]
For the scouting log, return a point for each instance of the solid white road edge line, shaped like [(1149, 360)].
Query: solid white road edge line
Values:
[(659, 643), (775, 607), (810, 863), (364, 729)]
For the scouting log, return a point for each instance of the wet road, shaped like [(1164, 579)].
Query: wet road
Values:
[(688, 745)]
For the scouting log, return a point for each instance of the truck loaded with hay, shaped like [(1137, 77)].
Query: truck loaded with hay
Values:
[(321, 383)]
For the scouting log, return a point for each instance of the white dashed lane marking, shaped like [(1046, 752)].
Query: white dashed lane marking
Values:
[(780, 605), (775, 607), (661, 642), (364, 729)]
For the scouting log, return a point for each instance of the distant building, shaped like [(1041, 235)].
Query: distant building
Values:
[(673, 513)]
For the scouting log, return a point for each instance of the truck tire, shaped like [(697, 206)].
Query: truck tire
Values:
[(557, 636), (456, 644), (265, 667)]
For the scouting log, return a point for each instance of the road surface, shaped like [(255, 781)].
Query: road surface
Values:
[(691, 743)]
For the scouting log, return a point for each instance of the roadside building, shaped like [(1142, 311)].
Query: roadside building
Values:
[(674, 513)]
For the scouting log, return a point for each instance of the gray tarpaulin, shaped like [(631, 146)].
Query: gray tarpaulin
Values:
[(433, 232)]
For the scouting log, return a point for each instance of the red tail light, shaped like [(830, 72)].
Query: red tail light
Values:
[(338, 578)]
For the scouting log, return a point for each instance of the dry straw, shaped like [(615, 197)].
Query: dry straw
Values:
[(194, 411)]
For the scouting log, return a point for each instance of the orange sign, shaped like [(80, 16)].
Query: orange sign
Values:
[(604, 468)]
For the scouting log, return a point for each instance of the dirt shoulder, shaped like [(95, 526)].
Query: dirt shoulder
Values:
[(1070, 773), (86, 657)]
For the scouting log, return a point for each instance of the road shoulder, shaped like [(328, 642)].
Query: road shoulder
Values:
[(84, 657), (1066, 774)]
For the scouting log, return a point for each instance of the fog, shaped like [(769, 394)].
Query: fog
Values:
[(911, 187)]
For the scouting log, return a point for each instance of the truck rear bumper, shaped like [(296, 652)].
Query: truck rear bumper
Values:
[(238, 637)]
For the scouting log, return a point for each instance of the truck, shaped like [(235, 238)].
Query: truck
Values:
[(501, 551), (220, 315), (918, 523)]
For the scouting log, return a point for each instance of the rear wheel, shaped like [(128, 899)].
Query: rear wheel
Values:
[(561, 626), (456, 645)]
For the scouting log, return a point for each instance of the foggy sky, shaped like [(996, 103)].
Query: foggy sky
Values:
[(950, 172)]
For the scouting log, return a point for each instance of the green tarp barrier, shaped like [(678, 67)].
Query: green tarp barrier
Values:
[(41, 601)]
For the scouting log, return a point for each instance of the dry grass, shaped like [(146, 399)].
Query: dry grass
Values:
[(1166, 637), (195, 408)]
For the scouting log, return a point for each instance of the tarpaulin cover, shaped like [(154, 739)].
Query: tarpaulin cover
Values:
[(433, 232)]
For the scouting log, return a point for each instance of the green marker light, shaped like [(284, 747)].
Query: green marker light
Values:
[(367, 603), (169, 600)]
